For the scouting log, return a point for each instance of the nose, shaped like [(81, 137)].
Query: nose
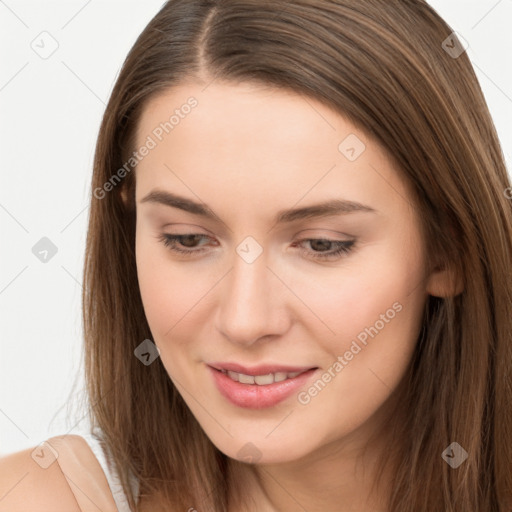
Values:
[(252, 303)]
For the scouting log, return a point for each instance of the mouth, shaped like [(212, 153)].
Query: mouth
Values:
[(261, 379), (259, 387), (262, 374)]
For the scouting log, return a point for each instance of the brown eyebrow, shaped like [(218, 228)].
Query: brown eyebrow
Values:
[(328, 208)]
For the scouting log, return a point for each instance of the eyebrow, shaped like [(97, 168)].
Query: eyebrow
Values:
[(325, 209)]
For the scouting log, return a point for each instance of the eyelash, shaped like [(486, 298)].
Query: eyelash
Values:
[(344, 246)]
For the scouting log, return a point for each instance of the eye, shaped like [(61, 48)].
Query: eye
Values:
[(186, 245), (341, 247), (188, 240)]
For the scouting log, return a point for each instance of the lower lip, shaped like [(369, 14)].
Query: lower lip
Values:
[(253, 396)]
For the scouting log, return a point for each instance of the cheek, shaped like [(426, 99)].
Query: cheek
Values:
[(369, 309), (151, 274), (176, 297), (376, 315), (341, 302), (167, 291)]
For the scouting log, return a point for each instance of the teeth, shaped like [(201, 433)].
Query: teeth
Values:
[(260, 380), (232, 375), (280, 376), (245, 379)]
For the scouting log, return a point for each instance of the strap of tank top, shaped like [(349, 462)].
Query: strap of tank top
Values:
[(83, 473)]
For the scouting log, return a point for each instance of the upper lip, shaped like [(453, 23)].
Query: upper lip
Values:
[(261, 369)]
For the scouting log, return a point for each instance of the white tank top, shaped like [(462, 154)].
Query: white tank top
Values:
[(101, 452)]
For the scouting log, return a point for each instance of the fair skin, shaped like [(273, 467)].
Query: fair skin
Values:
[(248, 152)]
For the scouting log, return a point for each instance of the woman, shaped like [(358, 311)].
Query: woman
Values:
[(297, 288)]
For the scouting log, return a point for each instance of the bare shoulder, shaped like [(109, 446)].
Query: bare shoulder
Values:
[(32, 480)]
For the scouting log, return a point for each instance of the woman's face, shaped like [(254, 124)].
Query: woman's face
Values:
[(240, 173)]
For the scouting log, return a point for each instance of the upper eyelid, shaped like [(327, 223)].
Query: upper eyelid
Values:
[(300, 239), (304, 237), (192, 229)]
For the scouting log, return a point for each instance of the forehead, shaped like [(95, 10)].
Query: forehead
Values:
[(252, 111), (245, 139)]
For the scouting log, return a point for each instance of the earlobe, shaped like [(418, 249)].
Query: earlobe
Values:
[(124, 196), (127, 195), (445, 282)]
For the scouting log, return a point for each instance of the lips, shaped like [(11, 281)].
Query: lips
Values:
[(259, 395)]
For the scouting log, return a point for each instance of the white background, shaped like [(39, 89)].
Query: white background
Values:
[(50, 114)]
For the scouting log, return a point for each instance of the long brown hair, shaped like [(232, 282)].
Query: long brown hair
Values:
[(387, 67)]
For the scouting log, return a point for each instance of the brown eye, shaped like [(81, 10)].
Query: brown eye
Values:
[(320, 248), (183, 244)]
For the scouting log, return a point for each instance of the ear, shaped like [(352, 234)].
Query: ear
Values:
[(124, 195), (127, 194), (445, 281)]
